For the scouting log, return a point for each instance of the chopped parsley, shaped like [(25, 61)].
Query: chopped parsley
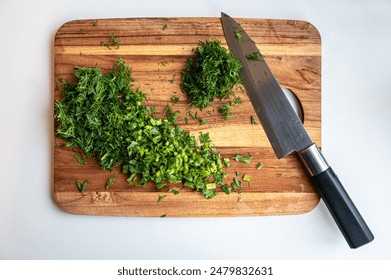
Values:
[(236, 184), (246, 178), (226, 189), (239, 37), (175, 192), (242, 158), (226, 162)]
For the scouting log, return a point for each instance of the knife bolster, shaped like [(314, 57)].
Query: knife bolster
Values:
[(313, 160)]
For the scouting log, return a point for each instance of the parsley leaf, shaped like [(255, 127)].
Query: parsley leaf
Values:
[(242, 158)]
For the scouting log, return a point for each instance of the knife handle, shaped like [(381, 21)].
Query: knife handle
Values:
[(337, 200)]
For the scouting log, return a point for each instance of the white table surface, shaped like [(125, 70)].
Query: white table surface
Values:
[(356, 96)]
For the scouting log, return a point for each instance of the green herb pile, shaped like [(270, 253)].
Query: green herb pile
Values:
[(104, 116), (210, 73)]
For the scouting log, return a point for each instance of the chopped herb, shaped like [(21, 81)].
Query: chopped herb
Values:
[(255, 56), (165, 27), (211, 72), (252, 120), (173, 79), (110, 182), (175, 192), (174, 99), (112, 43), (239, 37), (225, 188), (236, 184), (242, 90), (204, 138), (259, 165), (80, 158), (237, 173), (95, 23), (170, 114), (246, 178), (202, 121), (193, 115), (242, 158), (226, 162), (160, 185), (236, 101), (56, 88), (162, 62), (209, 193), (81, 186), (105, 117), (225, 111), (161, 197), (164, 215)]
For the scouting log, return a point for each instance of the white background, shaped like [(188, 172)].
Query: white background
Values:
[(356, 92)]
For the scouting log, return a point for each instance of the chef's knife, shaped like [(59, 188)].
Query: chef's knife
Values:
[(287, 134)]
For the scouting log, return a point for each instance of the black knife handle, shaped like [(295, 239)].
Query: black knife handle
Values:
[(337, 200)]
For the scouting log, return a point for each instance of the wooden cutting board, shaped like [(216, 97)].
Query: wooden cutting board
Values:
[(156, 49)]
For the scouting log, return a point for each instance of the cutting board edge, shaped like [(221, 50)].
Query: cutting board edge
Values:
[(304, 206)]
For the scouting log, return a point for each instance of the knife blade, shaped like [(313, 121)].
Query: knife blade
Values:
[(287, 133)]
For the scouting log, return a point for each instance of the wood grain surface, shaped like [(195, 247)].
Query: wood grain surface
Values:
[(156, 49)]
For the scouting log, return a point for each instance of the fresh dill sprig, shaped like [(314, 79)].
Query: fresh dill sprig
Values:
[(110, 182), (112, 43)]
